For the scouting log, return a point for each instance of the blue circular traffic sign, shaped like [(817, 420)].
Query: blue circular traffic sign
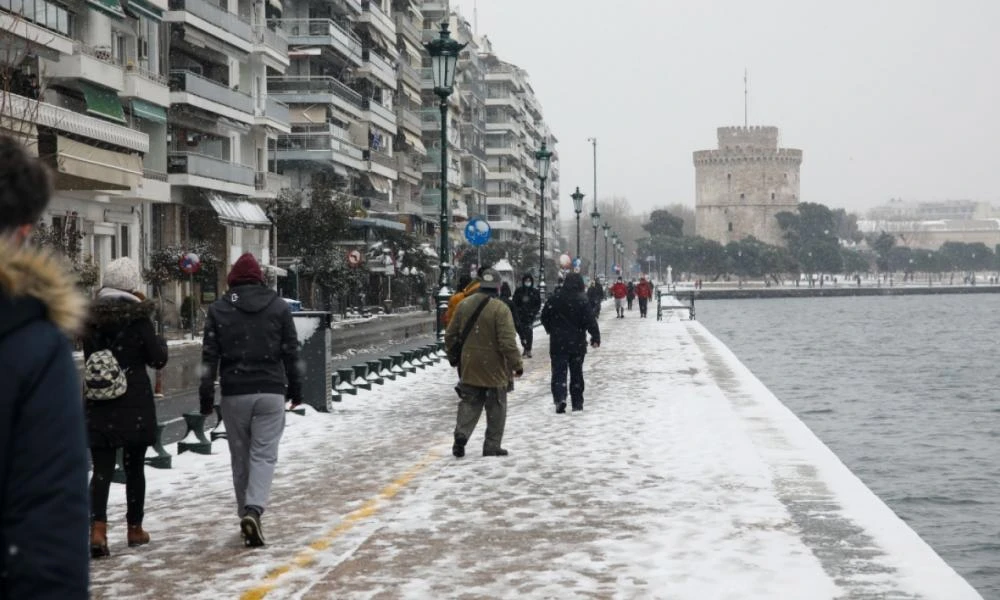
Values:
[(477, 231)]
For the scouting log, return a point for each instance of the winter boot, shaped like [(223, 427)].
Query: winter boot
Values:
[(458, 448), (99, 539), (495, 452), (560, 407), (137, 536), (253, 534)]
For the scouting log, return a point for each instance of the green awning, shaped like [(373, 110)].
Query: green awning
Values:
[(148, 111), (112, 7), (102, 102), (144, 8)]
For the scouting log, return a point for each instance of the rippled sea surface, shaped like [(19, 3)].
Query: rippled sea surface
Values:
[(905, 390)]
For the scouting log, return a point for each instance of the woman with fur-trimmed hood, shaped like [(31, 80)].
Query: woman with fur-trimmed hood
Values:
[(120, 320)]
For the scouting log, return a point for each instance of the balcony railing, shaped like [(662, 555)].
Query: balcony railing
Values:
[(192, 83), (378, 109), (314, 85), (381, 158), (209, 166), (339, 37), (320, 141), (272, 36), (270, 182), (64, 119), (408, 117), (131, 68), (379, 18), (407, 27), (277, 111), (154, 175), (379, 64), (224, 19), (409, 75)]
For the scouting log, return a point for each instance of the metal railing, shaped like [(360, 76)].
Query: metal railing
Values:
[(314, 85), (378, 109), (267, 181), (409, 75), (202, 165), (347, 42), (276, 110), (132, 68), (275, 37), (408, 117), (192, 83), (298, 141), (378, 63), (228, 21), (154, 175), (378, 16), (407, 27), (381, 158)]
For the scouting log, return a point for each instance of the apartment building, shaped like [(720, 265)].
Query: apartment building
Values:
[(471, 87), (409, 147)]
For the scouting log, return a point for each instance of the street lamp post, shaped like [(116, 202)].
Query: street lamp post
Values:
[(577, 208), (444, 59), (607, 234), (595, 216), (544, 158)]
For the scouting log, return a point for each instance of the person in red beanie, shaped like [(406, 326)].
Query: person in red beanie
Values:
[(250, 342)]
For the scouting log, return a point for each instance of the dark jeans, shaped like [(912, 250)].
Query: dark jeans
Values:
[(526, 330), (135, 482), (630, 299), (642, 306), (574, 363)]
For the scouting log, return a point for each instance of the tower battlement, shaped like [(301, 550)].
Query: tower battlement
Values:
[(741, 154), (757, 136)]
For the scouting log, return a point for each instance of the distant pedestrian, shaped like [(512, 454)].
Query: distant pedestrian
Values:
[(466, 287), (505, 297), (251, 343), (123, 420), (630, 293), (595, 296), (482, 337), (43, 448), (567, 318), (527, 303), (619, 291), (644, 290)]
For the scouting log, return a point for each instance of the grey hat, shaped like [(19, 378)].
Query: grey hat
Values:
[(489, 280), (122, 274)]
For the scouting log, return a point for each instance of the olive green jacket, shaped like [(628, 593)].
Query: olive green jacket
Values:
[(490, 353)]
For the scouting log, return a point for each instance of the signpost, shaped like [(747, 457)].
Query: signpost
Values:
[(191, 264)]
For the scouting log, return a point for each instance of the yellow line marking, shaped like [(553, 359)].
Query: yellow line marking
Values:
[(307, 557)]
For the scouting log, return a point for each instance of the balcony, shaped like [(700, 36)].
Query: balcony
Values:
[(459, 211), (323, 33), (140, 83), (95, 65), (189, 88), (381, 164), (372, 14), (475, 151), (378, 67), (63, 119), (211, 19), (380, 115), (316, 90), (200, 170), (267, 186), (26, 21), (408, 120), (409, 29), (409, 75), (274, 115), (272, 42), (321, 146)]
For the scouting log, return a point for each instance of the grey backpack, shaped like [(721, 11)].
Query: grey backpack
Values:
[(103, 377)]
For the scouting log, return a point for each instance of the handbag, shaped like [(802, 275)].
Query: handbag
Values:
[(455, 352)]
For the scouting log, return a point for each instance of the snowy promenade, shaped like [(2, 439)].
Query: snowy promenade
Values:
[(683, 478)]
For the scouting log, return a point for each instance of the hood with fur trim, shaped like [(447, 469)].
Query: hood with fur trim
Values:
[(28, 274), (111, 312)]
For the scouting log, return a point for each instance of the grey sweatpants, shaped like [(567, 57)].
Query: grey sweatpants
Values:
[(473, 400), (254, 424)]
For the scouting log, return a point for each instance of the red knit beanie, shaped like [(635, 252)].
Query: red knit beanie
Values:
[(246, 270)]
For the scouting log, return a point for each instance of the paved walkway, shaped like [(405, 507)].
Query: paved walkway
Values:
[(682, 478)]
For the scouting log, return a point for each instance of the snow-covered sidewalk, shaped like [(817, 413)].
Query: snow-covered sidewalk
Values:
[(683, 478)]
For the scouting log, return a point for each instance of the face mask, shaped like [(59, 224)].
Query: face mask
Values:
[(528, 284)]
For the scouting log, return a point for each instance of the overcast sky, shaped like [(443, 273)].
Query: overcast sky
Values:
[(886, 98)]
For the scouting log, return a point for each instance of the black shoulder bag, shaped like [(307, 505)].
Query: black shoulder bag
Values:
[(455, 354)]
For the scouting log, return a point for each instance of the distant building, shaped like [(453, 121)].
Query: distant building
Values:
[(742, 185), (932, 234)]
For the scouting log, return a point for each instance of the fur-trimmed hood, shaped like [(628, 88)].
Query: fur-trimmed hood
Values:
[(32, 273), (110, 311)]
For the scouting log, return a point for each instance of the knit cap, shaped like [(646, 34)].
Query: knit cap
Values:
[(122, 274), (246, 270)]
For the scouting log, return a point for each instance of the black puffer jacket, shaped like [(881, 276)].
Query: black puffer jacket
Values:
[(250, 342), (567, 317), (121, 322), (527, 300)]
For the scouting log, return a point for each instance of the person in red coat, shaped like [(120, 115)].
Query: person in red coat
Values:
[(643, 291), (619, 290)]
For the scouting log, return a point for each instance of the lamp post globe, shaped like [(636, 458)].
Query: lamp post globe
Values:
[(444, 53), (577, 208), (543, 156), (596, 219)]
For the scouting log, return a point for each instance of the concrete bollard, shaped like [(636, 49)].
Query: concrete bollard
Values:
[(408, 361), (361, 377), (195, 439), (374, 366), (219, 431), (334, 390), (397, 365), (162, 460), (386, 372), (440, 352), (432, 354), (346, 376)]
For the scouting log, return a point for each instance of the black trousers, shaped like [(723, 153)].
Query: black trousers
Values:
[(526, 330), (560, 364), (630, 299), (642, 306), (135, 482)]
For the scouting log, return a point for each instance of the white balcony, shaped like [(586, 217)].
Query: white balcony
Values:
[(316, 90), (272, 43), (373, 15), (408, 28), (189, 88), (409, 120), (95, 65), (55, 117), (505, 224), (382, 164), (322, 147), (378, 68), (41, 37), (508, 175), (380, 115), (209, 172), (274, 115), (323, 33), (210, 18), (267, 186), (146, 86)]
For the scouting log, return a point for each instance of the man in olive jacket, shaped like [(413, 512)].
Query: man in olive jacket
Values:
[(489, 359)]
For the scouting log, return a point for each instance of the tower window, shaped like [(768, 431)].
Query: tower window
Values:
[(743, 196), (772, 195), (730, 226)]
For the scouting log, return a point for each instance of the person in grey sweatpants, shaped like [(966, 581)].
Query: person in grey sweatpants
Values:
[(250, 334)]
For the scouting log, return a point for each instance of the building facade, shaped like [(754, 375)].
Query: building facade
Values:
[(743, 184)]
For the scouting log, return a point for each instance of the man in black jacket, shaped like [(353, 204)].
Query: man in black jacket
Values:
[(44, 514), (567, 317), (250, 333), (526, 301)]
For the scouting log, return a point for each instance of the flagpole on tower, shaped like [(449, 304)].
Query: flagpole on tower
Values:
[(746, 98)]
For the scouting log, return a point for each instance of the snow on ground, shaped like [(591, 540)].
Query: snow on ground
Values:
[(683, 478)]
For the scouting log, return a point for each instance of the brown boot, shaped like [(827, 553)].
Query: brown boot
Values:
[(136, 536), (99, 539)]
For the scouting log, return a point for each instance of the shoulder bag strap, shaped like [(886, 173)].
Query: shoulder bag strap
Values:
[(472, 321)]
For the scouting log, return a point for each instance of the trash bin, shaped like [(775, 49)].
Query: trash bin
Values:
[(315, 338), (293, 305)]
